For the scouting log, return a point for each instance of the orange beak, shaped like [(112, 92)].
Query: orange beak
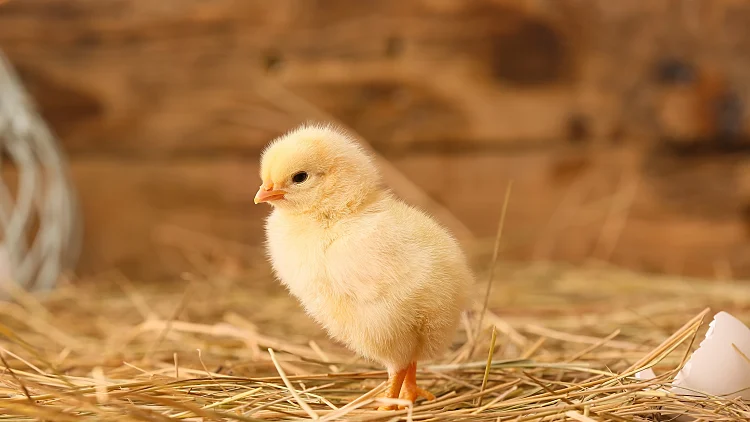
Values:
[(267, 193)]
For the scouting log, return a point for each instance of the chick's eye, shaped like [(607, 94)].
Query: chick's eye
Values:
[(299, 177)]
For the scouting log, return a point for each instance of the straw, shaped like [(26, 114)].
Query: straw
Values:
[(565, 345)]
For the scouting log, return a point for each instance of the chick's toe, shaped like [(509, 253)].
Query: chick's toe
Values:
[(395, 382), (410, 390)]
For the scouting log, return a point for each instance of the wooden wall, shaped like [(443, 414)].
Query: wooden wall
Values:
[(621, 124)]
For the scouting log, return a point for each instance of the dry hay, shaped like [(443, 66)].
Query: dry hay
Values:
[(568, 342)]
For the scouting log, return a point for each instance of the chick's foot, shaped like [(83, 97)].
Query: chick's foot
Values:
[(394, 388), (410, 390)]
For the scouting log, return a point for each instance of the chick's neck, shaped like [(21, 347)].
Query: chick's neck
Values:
[(335, 209)]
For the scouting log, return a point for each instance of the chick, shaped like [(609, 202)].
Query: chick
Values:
[(380, 276)]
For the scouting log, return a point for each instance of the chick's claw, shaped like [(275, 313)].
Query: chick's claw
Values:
[(410, 390)]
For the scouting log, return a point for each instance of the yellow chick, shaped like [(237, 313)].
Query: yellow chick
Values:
[(381, 276)]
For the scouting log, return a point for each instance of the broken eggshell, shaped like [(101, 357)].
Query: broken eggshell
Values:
[(716, 367), (720, 365), (646, 374)]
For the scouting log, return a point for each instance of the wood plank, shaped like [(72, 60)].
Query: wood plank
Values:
[(400, 184), (179, 77), (573, 208), (124, 204), (624, 207), (177, 87)]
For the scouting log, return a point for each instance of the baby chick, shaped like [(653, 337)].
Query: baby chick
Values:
[(381, 276)]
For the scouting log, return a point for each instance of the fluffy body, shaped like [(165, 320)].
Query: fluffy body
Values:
[(381, 276)]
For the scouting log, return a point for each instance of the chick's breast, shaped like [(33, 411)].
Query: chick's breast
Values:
[(389, 282)]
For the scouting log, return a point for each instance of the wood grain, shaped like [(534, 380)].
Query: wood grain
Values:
[(622, 124), (597, 205), (181, 75), (124, 204), (427, 75), (574, 207)]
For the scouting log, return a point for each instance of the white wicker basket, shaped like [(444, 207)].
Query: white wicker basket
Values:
[(39, 219)]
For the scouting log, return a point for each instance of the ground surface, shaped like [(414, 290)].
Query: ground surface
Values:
[(568, 342)]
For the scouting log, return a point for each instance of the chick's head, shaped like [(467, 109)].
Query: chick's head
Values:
[(316, 168)]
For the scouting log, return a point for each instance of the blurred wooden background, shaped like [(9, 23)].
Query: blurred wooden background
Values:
[(622, 124)]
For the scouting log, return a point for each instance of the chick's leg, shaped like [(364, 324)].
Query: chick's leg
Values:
[(395, 380), (411, 390)]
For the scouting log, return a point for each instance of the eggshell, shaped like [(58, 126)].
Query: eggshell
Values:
[(646, 374), (717, 368)]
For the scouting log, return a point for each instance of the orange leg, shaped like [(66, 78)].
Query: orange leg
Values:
[(410, 390), (394, 388)]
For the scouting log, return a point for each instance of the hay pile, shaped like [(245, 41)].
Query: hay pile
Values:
[(567, 343)]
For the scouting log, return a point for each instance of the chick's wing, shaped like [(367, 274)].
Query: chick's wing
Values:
[(383, 254)]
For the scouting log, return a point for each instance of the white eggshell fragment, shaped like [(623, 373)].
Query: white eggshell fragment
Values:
[(716, 367), (646, 374)]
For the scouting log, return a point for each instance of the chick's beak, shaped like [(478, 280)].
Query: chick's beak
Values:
[(267, 193)]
